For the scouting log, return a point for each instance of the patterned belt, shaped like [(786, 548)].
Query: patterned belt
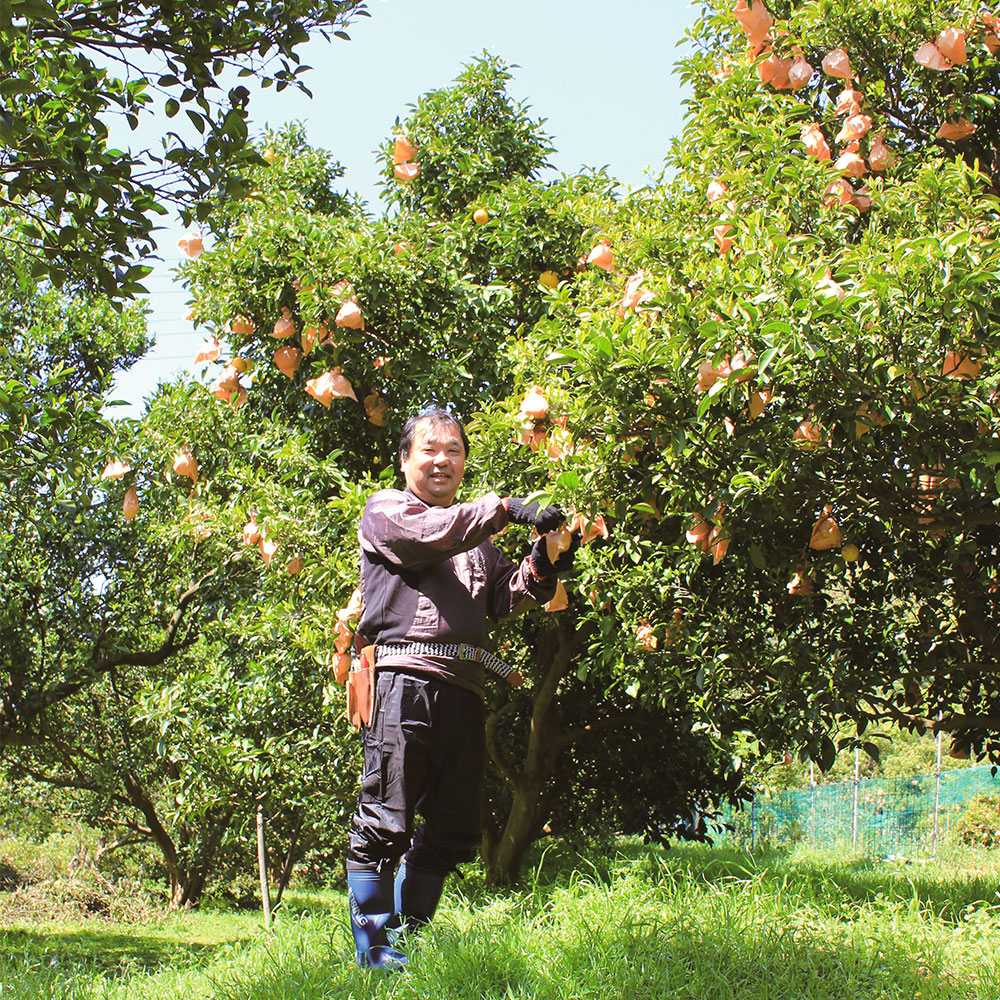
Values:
[(450, 650)]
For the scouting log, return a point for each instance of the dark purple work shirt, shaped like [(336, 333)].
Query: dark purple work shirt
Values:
[(431, 574)]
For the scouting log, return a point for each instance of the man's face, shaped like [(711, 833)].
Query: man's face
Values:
[(436, 463)]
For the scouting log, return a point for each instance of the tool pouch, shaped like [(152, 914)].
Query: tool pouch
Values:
[(361, 690)]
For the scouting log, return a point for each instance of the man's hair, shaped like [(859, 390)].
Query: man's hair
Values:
[(436, 415)]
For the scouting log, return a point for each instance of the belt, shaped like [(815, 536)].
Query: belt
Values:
[(450, 650)]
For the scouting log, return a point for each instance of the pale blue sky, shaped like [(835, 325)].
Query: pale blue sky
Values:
[(601, 76)]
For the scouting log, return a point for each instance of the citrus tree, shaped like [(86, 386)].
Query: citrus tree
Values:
[(836, 172), (794, 352), (154, 670)]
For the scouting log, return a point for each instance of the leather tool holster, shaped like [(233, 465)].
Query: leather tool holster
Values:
[(361, 689)]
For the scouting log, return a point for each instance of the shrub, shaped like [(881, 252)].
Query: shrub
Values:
[(980, 825)]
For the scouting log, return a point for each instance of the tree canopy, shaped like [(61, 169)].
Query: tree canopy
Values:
[(82, 210)]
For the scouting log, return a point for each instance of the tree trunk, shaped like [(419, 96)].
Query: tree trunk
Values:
[(213, 830), (286, 869), (504, 844), (186, 883), (176, 876), (519, 832)]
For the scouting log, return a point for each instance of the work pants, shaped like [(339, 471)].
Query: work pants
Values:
[(425, 752)]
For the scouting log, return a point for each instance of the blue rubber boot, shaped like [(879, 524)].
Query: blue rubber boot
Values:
[(370, 897), (417, 894)]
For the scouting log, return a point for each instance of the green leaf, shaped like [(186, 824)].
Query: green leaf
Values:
[(17, 86), (33, 9), (767, 357)]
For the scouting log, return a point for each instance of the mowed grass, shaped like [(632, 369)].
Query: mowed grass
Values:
[(692, 922)]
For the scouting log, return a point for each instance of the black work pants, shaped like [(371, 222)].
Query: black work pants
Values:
[(425, 752)]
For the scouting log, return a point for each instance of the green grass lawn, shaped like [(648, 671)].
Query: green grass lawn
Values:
[(692, 922)]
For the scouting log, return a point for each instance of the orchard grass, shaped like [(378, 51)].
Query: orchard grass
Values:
[(691, 922)]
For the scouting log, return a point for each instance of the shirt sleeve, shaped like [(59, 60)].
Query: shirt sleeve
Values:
[(514, 587), (411, 534)]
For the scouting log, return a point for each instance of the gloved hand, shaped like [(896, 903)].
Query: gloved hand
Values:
[(543, 520), (539, 557)]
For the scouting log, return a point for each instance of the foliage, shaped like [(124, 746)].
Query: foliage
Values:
[(740, 654), (58, 357), (472, 138), (83, 209), (902, 753), (105, 693), (178, 748), (980, 826), (909, 630), (94, 604)]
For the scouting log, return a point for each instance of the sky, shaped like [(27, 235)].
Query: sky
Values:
[(601, 77)]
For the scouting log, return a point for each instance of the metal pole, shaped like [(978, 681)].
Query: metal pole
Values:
[(265, 893), (812, 805), (937, 794), (854, 814), (753, 818)]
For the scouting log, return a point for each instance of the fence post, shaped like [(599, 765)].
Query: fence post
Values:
[(753, 818), (812, 806), (854, 811), (265, 893), (937, 794)]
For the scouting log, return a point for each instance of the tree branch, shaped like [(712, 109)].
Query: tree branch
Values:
[(622, 720), (493, 748), (543, 695), (152, 658), (103, 849), (950, 723)]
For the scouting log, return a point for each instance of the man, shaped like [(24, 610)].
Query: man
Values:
[(430, 577)]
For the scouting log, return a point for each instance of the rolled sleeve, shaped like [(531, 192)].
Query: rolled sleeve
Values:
[(410, 534), (515, 588)]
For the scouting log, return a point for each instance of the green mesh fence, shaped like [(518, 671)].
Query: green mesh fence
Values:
[(880, 815)]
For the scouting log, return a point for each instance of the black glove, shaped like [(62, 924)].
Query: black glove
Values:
[(539, 557), (546, 519)]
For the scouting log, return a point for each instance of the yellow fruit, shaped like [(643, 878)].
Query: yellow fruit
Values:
[(269, 154), (549, 279), (850, 553), (480, 216)]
